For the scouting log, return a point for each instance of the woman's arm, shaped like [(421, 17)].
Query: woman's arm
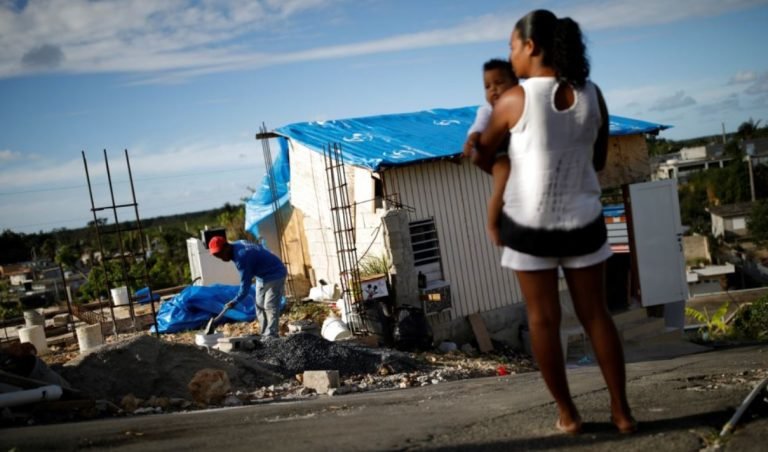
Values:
[(506, 113), (600, 154)]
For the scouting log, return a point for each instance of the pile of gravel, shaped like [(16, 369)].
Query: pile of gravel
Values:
[(295, 354), (146, 366)]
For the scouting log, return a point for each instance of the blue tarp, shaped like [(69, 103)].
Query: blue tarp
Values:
[(194, 306), (377, 142), (262, 203)]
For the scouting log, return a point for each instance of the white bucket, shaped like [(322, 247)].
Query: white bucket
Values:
[(35, 335), (89, 337), (334, 329), (120, 296), (33, 317), (207, 340)]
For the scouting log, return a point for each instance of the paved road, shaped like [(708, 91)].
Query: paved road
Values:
[(681, 403)]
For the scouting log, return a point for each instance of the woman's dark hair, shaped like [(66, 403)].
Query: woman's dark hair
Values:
[(560, 42)]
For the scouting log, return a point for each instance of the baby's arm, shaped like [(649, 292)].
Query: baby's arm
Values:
[(500, 172)]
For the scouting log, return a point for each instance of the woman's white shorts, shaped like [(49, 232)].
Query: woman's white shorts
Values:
[(525, 262)]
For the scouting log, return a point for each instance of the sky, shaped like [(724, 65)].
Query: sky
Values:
[(183, 85)]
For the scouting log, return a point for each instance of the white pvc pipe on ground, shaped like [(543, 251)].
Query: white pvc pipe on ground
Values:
[(50, 392), (35, 335)]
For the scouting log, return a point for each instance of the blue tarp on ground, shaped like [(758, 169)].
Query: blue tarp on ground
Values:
[(377, 142), (194, 306)]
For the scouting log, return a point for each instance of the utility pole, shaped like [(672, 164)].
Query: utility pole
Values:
[(723, 124), (751, 177)]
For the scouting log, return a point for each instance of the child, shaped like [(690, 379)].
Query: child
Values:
[(497, 77)]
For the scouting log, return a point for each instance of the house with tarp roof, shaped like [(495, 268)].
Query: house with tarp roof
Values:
[(410, 198)]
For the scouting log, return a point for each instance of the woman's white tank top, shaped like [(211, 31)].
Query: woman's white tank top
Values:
[(552, 183)]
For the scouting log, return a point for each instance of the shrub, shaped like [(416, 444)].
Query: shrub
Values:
[(751, 323)]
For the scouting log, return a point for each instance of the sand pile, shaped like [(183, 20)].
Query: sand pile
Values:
[(146, 366)]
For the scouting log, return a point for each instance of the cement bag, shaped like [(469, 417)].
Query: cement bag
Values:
[(412, 331)]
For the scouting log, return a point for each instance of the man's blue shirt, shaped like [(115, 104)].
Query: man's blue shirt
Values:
[(254, 260)]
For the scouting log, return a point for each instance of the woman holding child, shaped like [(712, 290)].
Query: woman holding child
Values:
[(552, 215)]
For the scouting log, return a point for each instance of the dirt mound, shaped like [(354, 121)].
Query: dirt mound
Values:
[(146, 366)]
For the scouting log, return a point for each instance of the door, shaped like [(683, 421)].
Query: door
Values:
[(658, 242)]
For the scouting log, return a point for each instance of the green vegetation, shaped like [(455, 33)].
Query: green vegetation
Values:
[(758, 221), (714, 326), (751, 322), (164, 240)]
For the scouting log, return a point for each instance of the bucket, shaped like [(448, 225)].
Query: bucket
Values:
[(35, 335), (120, 296), (33, 317), (207, 340), (89, 337), (334, 329)]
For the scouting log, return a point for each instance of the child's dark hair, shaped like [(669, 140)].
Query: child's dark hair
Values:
[(561, 44), (502, 65)]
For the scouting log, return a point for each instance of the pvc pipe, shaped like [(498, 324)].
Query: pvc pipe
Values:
[(35, 335), (50, 392), (89, 337), (744, 405)]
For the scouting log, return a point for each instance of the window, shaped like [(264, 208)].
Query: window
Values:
[(424, 242)]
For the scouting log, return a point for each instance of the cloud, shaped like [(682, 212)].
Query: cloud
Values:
[(677, 100), (743, 77), (46, 56), (730, 103), (172, 40), (759, 85), (6, 155)]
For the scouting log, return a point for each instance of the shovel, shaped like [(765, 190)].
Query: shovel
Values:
[(211, 326)]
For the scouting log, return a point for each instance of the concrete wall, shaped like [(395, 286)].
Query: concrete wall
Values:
[(628, 161), (310, 195), (696, 247)]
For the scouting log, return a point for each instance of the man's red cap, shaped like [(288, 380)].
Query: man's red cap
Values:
[(216, 244)]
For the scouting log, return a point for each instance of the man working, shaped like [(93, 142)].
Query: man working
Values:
[(254, 260)]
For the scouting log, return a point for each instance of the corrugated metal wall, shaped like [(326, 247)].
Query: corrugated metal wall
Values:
[(456, 195)]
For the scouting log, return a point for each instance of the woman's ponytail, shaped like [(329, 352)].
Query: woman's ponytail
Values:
[(569, 54)]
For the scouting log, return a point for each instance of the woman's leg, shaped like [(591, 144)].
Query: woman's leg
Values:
[(587, 287), (543, 306)]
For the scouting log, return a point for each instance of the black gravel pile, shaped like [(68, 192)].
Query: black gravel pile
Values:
[(295, 354)]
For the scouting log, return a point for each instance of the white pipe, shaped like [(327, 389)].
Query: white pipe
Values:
[(744, 405), (50, 392)]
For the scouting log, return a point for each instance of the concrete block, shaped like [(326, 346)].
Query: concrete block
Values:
[(61, 320), (321, 380), (240, 343)]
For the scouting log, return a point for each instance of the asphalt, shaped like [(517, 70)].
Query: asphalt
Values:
[(681, 398)]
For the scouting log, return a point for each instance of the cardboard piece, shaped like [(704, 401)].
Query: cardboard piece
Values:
[(481, 333)]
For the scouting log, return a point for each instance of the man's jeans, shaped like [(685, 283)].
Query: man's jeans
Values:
[(268, 296)]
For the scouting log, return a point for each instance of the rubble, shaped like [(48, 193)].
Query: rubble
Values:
[(141, 374)]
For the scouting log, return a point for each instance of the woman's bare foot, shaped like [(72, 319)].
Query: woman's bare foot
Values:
[(626, 424), (572, 427)]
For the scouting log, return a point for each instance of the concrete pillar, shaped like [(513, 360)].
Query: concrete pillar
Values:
[(397, 240)]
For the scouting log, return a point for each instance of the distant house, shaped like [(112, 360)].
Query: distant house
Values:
[(414, 199), (680, 165), (757, 150), (730, 221), (16, 273)]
